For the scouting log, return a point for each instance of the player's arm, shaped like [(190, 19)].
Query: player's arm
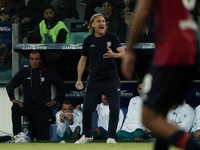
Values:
[(80, 70), (142, 11)]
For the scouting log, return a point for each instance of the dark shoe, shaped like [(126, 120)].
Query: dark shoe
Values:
[(76, 133)]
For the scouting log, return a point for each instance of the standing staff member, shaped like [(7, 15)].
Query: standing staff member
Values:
[(36, 81), (102, 48), (173, 67)]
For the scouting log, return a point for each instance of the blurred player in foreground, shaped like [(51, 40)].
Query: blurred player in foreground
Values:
[(173, 67)]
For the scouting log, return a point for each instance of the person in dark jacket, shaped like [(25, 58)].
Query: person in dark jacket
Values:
[(5, 35), (113, 20), (28, 16), (36, 81)]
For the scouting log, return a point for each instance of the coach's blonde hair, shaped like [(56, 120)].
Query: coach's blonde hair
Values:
[(91, 29)]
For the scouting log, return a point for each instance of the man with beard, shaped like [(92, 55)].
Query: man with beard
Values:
[(51, 29)]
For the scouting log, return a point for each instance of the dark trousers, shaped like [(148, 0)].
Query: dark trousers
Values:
[(94, 90), (40, 119)]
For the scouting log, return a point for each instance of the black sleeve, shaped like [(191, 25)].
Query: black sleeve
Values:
[(61, 38), (13, 83), (115, 42), (84, 51)]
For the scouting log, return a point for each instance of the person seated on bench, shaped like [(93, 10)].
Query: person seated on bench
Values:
[(36, 81), (69, 122), (103, 119), (182, 116), (133, 128), (196, 124)]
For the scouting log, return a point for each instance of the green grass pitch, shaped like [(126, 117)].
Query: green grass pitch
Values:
[(72, 146)]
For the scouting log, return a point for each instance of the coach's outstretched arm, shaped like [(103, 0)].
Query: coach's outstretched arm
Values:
[(80, 70)]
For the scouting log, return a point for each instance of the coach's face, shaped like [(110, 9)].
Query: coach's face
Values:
[(35, 60), (99, 25)]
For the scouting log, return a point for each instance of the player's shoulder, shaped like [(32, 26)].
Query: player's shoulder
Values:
[(89, 37), (135, 98), (197, 108), (24, 71), (76, 111), (187, 107), (110, 34), (58, 113), (48, 71)]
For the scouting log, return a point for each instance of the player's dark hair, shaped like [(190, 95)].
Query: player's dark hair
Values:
[(139, 82), (67, 102), (111, 2), (35, 52)]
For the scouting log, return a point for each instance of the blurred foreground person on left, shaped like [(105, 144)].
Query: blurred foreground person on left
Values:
[(36, 81)]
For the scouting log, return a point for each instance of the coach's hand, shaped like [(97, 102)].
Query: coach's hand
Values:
[(109, 53), (51, 103), (20, 104), (79, 85)]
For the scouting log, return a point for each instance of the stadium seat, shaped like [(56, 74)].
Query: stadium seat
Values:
[(78, 37), (124, 111)]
